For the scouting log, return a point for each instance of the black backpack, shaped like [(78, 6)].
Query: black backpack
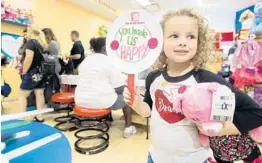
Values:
[(48, 63)]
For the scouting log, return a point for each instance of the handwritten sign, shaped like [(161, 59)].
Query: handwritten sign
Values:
[(133, 44), (134, 41)]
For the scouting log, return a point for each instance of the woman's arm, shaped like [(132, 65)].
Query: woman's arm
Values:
[(29, 55)]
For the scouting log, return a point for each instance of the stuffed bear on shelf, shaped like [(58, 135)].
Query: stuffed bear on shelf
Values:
[(257, 22)]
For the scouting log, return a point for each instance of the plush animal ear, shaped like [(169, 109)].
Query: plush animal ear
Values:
[(182, 89)]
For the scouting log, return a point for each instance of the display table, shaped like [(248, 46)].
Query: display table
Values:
[(57, 151), (73, 79)]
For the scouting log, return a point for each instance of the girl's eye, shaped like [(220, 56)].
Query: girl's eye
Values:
[(191, 36), (174, 36)]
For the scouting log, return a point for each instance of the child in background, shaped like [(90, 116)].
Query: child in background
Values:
[(174, 138)]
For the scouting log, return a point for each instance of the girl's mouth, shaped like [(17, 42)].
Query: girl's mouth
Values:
[(181, 52)]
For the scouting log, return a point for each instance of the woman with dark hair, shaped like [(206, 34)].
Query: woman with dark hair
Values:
[(54, 50), (53, 46), (100, 85)]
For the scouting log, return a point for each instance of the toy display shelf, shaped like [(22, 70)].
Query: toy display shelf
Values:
[(15, 23), (244, 33)]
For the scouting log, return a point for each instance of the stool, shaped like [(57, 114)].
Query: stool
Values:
[(96, 116), (68, 99)]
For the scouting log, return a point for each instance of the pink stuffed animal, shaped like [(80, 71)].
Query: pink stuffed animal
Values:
[(195, 102)]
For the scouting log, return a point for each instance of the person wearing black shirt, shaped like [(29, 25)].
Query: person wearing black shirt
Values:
[(77, 53), (32, 79)]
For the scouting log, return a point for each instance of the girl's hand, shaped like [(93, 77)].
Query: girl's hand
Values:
[(200, 128), (228, 129), (137, 97)]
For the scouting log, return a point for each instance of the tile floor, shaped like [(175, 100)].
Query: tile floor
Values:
[(120, 150)]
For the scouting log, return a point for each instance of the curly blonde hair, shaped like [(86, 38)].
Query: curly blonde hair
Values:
[(205, 39)]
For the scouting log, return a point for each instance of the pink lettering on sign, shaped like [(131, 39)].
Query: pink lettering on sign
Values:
[(133, 53)]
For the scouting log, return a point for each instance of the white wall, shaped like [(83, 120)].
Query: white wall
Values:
[(218, 20)]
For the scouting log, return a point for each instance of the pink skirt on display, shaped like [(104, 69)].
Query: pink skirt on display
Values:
[(245, 76)]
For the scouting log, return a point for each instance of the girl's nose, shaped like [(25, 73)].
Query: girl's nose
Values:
[(182, 45)]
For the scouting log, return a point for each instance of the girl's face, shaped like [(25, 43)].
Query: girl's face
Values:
[(180, 38)]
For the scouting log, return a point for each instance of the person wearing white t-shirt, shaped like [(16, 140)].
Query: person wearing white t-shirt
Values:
[(101, 85)]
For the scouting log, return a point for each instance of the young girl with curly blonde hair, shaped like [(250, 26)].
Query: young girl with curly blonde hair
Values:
[(175, 139)]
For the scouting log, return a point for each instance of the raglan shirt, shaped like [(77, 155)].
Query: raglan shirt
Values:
[(175, 139)]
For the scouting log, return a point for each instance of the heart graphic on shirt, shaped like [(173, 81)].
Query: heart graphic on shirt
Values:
[(165, 108), (11, 44)]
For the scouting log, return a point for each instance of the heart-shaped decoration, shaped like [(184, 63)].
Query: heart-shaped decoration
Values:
[(165, 108), (11, 44)]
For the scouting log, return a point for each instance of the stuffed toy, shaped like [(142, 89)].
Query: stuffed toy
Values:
[(257, 22), (246, 19), (102, 31), (21, 17), (3, 6), (10, 14), (195, 102)]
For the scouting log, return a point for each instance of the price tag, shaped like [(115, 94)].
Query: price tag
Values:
[(223, 105)]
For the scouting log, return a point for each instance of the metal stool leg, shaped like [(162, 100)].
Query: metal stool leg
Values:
[(102, 134), (67, 119)]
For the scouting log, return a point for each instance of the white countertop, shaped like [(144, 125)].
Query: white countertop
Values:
[(72, 80)]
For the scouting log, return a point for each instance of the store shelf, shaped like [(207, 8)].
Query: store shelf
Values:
[(11, 22)]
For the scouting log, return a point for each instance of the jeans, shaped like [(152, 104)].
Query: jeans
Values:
[(151, 161)]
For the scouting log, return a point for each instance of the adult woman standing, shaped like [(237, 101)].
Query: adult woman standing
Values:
[(32, 79), (54, 50), (53, 46)]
